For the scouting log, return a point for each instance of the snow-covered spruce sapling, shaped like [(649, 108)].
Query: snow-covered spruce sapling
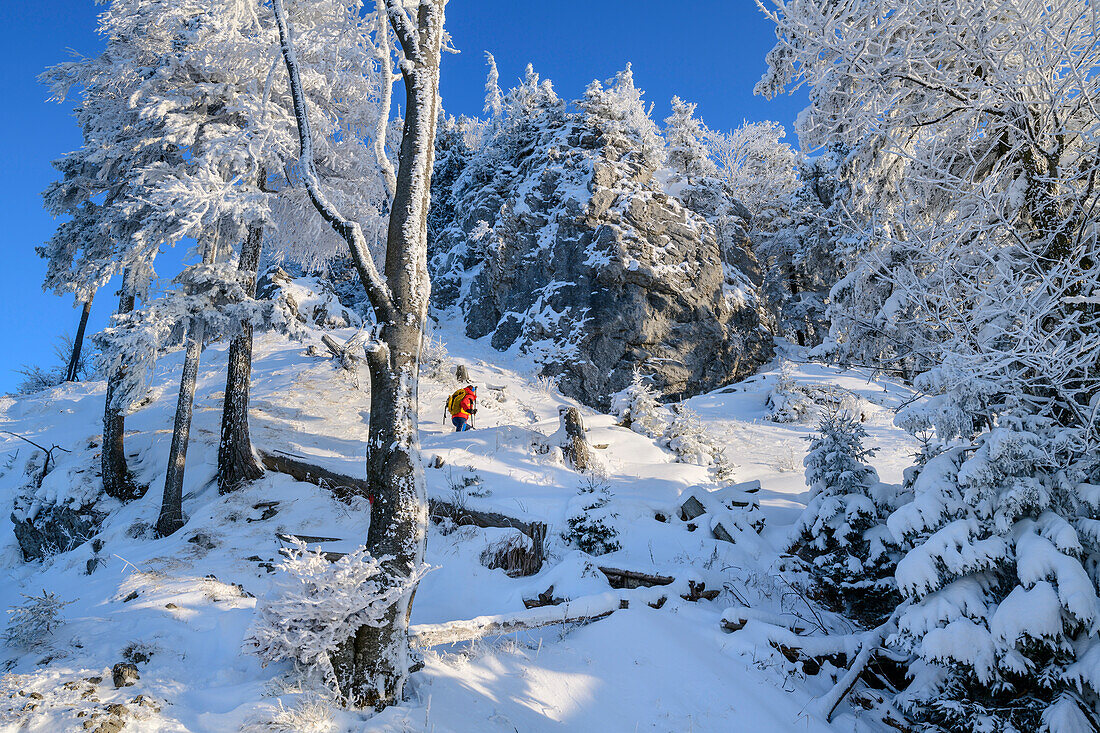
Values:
[(32, 624), (686, 436), (592, 526), (842, 533), (637, 407)]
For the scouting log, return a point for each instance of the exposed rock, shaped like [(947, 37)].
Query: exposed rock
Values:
[(53, 529), (124, 674), (556, 237)]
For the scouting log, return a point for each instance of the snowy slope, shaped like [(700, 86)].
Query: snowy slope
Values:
[(186, 601)]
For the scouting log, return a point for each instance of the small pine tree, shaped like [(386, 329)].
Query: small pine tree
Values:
[(687, 437), (592, 528), (637, 407), (842, 532), (685, 142), (32, 624)]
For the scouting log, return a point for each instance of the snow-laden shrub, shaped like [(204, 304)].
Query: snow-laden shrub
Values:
[(435, 361), (36, 378), (638, 409), (32, 624), (316, 605), (592, 526), (790, 402), (842, 532), (1002, 576)]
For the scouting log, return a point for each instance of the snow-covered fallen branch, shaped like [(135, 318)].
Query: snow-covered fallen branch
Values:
[(580, 610), (825, 706)]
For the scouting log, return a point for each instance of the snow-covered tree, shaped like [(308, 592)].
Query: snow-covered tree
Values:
[(618, 113), (637, 407), (757, 166), (373, 665), (317, 604), (687, 437), (808, 249), (494, 99), (98, 191), (685, 141), (842, 533), (592, 521), (979, 272), (1001, 576)]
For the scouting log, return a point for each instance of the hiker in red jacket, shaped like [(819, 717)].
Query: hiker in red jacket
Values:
[(462, 406)]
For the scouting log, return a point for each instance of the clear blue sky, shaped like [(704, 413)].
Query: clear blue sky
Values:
[(709, 51)]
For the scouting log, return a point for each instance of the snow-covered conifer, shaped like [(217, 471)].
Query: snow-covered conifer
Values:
[(685, 137), (618, 112), (494, 99), (687, 437), (592, 522), (1004, 611), (841, 533), (637, 407)]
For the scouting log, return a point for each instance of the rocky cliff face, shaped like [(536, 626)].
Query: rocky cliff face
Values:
[(553, 234)]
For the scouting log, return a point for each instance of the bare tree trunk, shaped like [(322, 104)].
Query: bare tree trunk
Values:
[(78, 342), (237, 463), (118, 482), (171, 505), (373, 666)]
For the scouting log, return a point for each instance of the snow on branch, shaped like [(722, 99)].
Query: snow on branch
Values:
[(378, 291)]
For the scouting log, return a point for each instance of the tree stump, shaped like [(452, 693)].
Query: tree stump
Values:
[(461, 375), (576, 446)]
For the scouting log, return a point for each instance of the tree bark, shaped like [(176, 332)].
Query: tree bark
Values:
[(118, 482), (372, 667), (171, 505), (237, 462), (78, 342)]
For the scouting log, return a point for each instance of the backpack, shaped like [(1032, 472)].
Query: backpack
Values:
[(454, 401)]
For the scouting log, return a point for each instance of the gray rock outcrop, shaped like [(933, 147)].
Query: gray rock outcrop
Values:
[(555, 237)]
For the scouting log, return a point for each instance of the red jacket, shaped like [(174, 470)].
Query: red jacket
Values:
[(466, 404)]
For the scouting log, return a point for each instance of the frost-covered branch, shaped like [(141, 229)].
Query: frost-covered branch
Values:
[(378, 291)]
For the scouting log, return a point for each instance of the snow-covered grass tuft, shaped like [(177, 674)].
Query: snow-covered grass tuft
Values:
[(32, 624), (313, 714)]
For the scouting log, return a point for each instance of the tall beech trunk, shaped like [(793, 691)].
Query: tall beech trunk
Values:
[(237, 463), (171, 505), (78, 342), (373, 666), (117, 479)]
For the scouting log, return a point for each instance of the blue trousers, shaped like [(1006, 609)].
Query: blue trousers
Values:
[(460, 423)]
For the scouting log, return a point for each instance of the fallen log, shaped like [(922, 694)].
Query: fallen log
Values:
[(632, 579), (582, 610), (345, 487), (342, 486)]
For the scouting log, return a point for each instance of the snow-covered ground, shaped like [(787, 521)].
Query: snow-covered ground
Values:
[(182, 605)]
